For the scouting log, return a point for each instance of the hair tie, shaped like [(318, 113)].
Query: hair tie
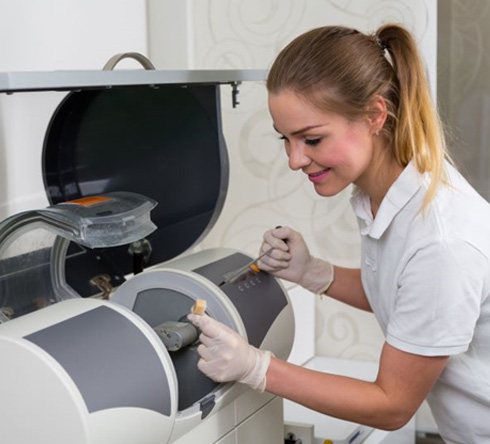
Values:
[(381, 43)]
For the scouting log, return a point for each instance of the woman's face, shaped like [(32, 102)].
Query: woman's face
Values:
[(332, 151)]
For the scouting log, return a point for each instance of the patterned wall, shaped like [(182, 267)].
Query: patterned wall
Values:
[(263, 192)]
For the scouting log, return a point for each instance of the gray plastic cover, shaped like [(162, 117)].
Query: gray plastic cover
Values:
[(109, 359)]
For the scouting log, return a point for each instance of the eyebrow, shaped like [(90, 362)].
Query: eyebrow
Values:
[(301, 130)]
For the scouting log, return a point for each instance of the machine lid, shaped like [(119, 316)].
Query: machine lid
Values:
[(151, 132), (164, 142)]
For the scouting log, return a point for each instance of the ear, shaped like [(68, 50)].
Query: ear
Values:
[(377, 113)]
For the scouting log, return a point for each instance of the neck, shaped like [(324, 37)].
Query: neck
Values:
[(376, 183)]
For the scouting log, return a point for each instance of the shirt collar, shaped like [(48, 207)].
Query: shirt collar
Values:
[(400, 192)]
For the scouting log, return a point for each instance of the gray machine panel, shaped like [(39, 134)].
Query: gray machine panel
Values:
[(158, 305), (109, 359), (259, 299)]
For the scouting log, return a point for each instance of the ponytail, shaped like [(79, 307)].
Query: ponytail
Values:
[(418, 134)]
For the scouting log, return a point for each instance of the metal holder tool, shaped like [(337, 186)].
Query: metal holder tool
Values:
[(240, 274)]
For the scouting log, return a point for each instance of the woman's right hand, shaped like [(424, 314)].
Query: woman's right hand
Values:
[(289, 257), (291, 260)]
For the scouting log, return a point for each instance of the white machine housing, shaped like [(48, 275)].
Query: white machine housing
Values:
[(85, 366), (92, 371)]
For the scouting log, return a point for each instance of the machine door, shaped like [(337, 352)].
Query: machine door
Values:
[(165, 295)]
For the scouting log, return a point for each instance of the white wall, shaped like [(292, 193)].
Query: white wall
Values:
[(52, 35)]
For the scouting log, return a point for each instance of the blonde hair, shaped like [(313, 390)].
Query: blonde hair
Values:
[(341, 70)]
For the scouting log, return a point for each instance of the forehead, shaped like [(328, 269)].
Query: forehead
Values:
[(288, 98), (290, 110)]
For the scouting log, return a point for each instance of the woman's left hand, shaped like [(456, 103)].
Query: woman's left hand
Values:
[(226, 356)]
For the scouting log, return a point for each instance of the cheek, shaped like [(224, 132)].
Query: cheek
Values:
[(357, 145), (345, 149), (336, 157)]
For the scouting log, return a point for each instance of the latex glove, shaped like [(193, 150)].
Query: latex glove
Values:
[(291, 260), (226, 356)]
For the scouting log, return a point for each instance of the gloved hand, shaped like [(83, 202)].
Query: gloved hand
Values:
[(291, 260), (226, 356)]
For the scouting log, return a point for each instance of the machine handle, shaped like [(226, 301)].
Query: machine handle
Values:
[(115, 59)]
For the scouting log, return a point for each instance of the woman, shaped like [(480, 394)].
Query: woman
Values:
[(356, 109)]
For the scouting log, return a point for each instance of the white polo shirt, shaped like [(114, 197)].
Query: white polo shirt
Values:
[(426, 275)]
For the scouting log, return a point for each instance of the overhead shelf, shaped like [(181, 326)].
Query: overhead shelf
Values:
[(13, 82)]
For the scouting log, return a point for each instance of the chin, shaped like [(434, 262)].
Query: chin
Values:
[(328, 191)]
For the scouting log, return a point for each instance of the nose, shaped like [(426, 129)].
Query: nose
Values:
[(298, 158)]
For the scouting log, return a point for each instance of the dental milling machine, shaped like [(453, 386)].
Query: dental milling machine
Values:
[(95, 288)]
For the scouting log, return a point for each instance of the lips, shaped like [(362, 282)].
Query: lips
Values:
[(319, 175)]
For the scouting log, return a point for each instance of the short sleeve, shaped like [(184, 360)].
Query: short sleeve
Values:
[(438, 299)]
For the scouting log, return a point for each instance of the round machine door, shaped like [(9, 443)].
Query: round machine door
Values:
[(165, 296)]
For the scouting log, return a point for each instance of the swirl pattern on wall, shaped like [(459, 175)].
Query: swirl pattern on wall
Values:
[(229, 54), (339, 333), (256, 22), (263, 192)]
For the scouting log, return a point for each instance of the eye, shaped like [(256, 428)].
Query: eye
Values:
[(313, 142)]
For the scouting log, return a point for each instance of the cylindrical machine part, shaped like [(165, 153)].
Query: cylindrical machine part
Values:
[(176, 335)]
